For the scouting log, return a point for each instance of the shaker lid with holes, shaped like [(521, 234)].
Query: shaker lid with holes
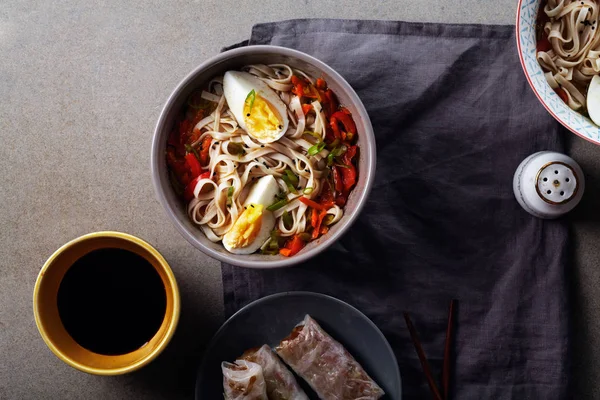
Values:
[(548, 184)]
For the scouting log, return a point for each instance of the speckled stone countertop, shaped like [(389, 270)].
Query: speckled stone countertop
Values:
[(81, 87)]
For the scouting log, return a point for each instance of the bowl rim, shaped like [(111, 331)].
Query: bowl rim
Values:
[(172, 323), (332, 237), (531, 84), (275, 296)]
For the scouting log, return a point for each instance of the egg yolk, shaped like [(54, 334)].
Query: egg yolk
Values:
[(246, 228), (262, 121)]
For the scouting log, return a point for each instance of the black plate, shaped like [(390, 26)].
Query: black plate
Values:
[(270, 319)]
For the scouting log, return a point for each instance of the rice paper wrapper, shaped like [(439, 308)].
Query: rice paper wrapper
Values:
[(281, 383), (326, 365), (243, 380)]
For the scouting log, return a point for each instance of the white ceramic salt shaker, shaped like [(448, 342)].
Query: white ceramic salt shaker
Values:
[(548, 184)]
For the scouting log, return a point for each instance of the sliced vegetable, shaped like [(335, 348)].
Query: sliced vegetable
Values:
[(304, 89), (288, 221), (204, 149), (292, 177), (336, 152), (317, 226), (345, 119), (188, 193), (316, 148), (289, 183), (308, 190), (193, 164), (333, 144), (236, 149), (562, 94), (250, 99), (349, 172), (321, 84), (337, 179), (543, 45), (314, 204), (305, 236), (332, 104), (306, 108), (293, 246), (328, 219), (313, 134), (191, 149), (272, 247), (278, 204), (326, 196), (229, 196)]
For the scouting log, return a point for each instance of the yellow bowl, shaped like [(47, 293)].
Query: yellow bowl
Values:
[(53, 332)]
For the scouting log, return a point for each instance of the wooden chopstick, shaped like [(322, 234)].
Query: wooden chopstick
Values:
[(447, 352), (415, 339)]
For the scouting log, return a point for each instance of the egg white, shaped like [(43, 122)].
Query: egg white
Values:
[(263, 192), (593, 100), (236, 87)]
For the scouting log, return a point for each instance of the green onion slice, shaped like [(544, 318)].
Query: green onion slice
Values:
[(292, 177), (250, 98), (289, 182), (229, 196), (313, 134), (277, 205), (191, 149), (288, 221), (316, 149)]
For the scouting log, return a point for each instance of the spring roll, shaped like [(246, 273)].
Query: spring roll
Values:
[(326, 365), (281, 384), (243, 381)]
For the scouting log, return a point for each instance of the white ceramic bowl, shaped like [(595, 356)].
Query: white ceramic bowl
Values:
[(235, 59), (527, 12)]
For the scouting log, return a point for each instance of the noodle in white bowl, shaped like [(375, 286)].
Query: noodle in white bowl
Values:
[(314, 157)]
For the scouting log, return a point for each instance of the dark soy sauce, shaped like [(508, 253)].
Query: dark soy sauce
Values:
[(111, 301)]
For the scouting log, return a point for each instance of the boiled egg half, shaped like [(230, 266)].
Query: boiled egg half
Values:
[(255, 106), (254, 225), (593, 100)]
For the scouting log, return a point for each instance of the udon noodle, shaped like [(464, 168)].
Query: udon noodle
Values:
[(572, 57), (237, 160)]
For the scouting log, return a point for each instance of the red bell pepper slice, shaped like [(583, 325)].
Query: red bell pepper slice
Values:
[(326, 196), (543, 45), (193, 164), (188, 193), (345, 118), (292, 247), (332, 104), (317, 225), (348, 173), (321, 84), (204, 148), (298, 88), (306, 108), (337, 179), (314, 204), (562, 94)]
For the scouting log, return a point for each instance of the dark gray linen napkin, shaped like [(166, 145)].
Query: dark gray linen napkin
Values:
[(453, 118)]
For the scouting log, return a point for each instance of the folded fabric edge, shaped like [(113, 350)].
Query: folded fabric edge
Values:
[(262, 33), (243, 43)]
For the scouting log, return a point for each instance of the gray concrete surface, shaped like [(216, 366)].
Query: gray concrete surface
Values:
[(81, 86)]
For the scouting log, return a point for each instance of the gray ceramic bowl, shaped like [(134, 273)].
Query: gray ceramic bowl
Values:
[(235, 59), (272, 318)]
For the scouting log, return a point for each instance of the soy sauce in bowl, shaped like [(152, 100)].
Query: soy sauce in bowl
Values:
[(112, 301)]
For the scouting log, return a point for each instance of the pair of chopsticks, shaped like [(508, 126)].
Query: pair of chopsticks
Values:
[(445, 394)]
